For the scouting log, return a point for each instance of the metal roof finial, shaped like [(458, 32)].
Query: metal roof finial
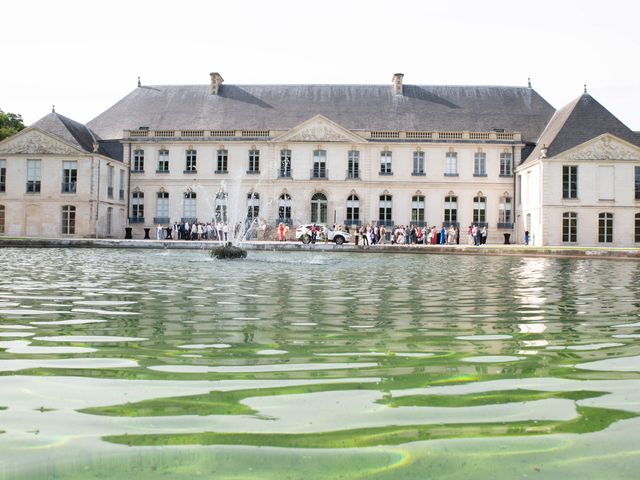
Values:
[(53, 109), (529, 82), (585, 88), (139, 83)]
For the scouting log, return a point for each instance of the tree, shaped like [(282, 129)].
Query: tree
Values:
[(10, 123)]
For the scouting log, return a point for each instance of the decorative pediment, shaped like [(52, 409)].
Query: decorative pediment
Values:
[(319, 129), (604, 147), (34, 142)]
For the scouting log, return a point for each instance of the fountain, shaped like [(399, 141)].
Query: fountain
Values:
[(228, 251)]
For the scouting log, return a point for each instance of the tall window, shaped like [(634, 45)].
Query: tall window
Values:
[(221, 207), (451, 164), (450, 209), (3, 175), (418, 163), (519, 189), (284, 208), (285, 164), (505, 212), (254, 161), (121, 191), (68, 220), (385, 163), (222, 161), (637, 169), (637, 229), (162, 207), (569, 181), (109, 219), (2, 220), (138, 161), (319, 164), (253, 205), (417, 209), (506, 163), (137, 206), (33, 176), (163, 161), (353, 210), (191, 161), (319, 207), (605, 227), (69, 176), (110, 172), (385, 209), (480, 164), (353, 164), (479, 210), (189, 210), (570, 227)]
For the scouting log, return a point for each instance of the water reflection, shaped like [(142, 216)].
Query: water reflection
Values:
[(316, 351)]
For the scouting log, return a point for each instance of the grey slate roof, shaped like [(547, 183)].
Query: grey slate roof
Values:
[(70, 131), (78, 135), (580, 121), (355, 107)]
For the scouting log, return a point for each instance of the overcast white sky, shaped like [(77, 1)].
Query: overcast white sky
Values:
[(85, 55)]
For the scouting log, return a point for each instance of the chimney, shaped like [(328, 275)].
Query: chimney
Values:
[(216, 81), (397, 83)]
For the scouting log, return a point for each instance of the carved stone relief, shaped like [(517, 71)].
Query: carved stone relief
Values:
[(605, 149), (318, 132), (35, 143)]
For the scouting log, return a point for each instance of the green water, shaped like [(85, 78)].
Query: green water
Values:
[(168, 364)]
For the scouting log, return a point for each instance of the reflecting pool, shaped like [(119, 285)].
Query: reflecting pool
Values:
[(170, 364)]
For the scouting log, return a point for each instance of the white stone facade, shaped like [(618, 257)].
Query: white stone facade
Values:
[(44, 203), (607, 179)]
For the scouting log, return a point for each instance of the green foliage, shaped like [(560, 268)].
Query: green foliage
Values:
[(10, 124)]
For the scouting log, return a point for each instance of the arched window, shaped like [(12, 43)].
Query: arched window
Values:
[(417, 209), (284, 209), (353, 210), (605, 228), (221, 207), (68, 220), (570, 227), (137, 207), (385, 216), (189, 209), (319, 207), (2, 219), (253, 205)]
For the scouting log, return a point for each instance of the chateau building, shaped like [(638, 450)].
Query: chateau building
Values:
[(345, 154)]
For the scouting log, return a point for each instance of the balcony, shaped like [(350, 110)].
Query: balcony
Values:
[(353, 223), (253, 172), (137, 170), (481, 224), (221, 172), (68, 187), (418, 174), (136, 219), (386, 223), (191, 220), (319, 173), (385, 173), (190, 171), (353, 175), (505, 225), (451, 224), (161, 220)]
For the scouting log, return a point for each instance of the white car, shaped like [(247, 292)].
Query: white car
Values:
[(304, 234)]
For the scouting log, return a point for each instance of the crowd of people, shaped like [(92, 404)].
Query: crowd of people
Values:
[(414, 234), (364, 235)]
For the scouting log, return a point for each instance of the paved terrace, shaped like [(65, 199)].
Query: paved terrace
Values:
[(292, 246)]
